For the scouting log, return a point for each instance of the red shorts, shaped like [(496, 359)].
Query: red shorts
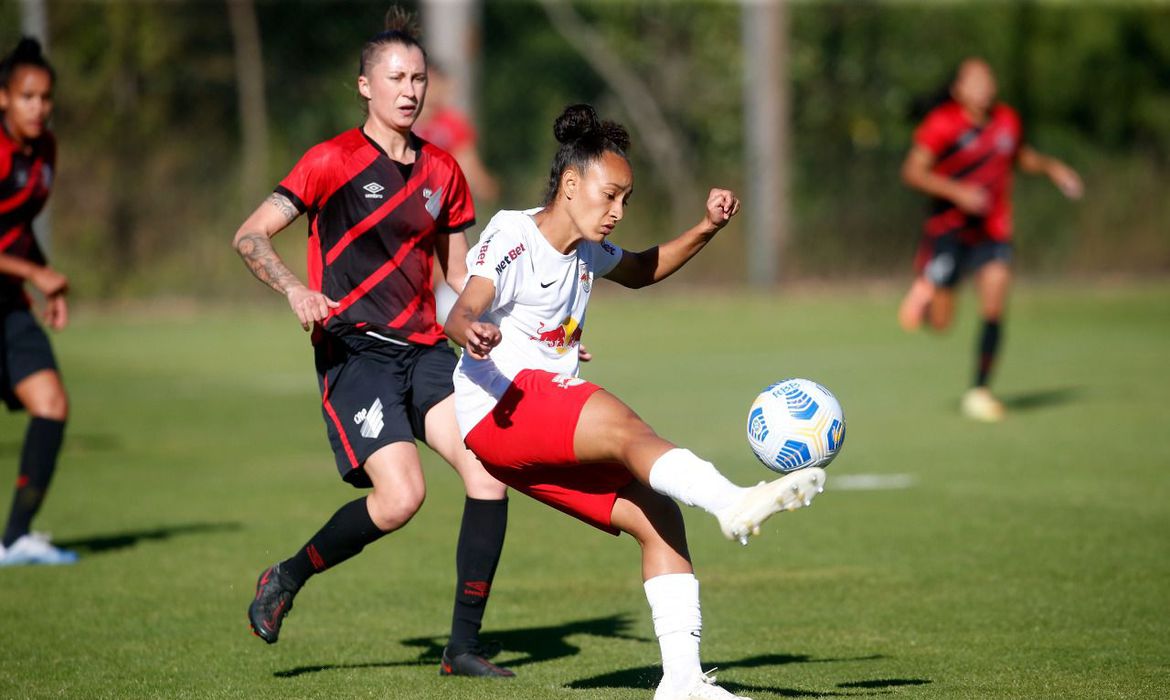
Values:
[(527, 443)]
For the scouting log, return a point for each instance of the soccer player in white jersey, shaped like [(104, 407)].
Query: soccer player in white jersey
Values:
[(539, 428)]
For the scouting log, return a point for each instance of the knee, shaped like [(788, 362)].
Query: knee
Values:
[(392, 509), (483, 486), (51, 405)]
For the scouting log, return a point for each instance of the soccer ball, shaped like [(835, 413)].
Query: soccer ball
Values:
[(794, 424)]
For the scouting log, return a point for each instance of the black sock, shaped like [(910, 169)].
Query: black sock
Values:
[(481, 539), (988, 348), (347, 533), (38, 460)]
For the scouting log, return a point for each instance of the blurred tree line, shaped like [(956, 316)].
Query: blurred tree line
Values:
[(153, 180)]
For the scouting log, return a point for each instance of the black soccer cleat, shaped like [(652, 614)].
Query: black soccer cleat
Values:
[(274, 596), (471, 663)]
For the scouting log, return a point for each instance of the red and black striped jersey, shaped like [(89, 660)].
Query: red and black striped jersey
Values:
[(976, 154), (25, 180), (372, 229)]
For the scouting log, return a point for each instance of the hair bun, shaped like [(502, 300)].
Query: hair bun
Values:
[(576, 122), (27, 51)]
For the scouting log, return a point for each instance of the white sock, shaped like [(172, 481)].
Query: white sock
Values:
[(681, 475), (678, 623)]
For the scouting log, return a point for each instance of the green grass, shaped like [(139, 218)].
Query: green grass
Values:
[(1029, 559)]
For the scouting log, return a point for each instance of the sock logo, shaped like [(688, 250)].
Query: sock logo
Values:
[(479, 589), (696, 634), (370, 419)]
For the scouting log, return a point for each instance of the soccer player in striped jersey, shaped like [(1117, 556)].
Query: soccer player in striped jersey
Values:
[(382, 204), (28, 372), (963, 156), (566, 442)]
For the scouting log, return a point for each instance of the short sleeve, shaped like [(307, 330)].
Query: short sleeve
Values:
[(497, 258), (935, 133), (458, 209), (606, 257), (305, 184)]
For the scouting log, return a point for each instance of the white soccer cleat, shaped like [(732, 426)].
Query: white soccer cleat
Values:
[(978, 404), (701, 688), (34, 548), (765, 499)]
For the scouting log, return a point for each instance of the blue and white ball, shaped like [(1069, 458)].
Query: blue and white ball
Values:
[(795, 424)]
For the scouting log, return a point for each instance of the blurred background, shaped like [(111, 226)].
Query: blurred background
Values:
[(176, 117)]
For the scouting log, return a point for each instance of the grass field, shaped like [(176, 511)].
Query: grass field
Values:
[(1029, 559)]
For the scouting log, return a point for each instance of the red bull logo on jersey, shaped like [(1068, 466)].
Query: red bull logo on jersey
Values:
[(560, 338)]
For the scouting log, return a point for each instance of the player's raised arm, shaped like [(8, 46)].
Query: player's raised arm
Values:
[(659, 262), (463, 325), (1065, 178), (253, 243)]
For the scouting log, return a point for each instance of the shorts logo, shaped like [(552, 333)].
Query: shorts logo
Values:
[(370, 419), (374, 190), (940, 267), (434, 201), (565, 381)]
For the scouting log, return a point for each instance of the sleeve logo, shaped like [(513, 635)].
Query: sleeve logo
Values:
[(510, 258)]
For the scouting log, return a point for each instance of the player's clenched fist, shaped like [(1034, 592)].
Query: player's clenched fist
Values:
[(481, 338), (721, 206)]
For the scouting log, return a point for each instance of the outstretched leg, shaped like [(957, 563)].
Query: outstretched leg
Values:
[(608, 430)]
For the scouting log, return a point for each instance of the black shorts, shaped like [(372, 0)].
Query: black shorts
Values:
[(375, 393), (944, 260), (24, 350)]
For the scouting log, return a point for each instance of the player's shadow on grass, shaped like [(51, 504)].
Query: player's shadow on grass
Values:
[(75, 443), (100, 544), (1043, 398), (644, 677), (521, 647)]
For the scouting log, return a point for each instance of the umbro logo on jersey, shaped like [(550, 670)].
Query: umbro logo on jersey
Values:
[(374, 190), (370, 419), (434, 201)]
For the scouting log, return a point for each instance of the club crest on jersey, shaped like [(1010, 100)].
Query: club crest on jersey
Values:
[(1004, 143), (585, 276), (434, 201), (373, 190)]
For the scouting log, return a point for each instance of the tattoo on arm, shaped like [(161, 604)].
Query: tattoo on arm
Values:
[(284, 206), (261, 258)]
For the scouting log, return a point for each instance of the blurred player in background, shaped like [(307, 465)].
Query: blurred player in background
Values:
[(382, 204), (28, 372), (963, 156), (566, 442), (446, 126)]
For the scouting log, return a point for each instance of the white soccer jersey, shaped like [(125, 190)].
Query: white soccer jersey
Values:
[(540, 303)]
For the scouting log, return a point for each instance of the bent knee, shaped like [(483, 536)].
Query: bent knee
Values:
[(51, 406), (390, 510)]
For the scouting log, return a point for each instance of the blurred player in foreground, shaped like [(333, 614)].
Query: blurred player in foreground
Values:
[(963, 156), (564, 441), (382, 204), (28, 372)]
